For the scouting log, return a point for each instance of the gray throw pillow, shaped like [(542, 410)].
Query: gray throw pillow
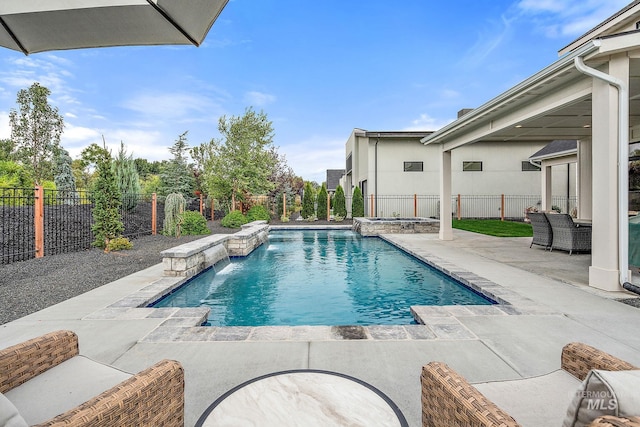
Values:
[(9, 416), (605, 393)]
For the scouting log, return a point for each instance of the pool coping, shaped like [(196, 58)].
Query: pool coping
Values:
[(433, 322)]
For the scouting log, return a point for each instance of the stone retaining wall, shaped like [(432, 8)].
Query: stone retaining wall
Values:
[(368, 227), (191, 258)]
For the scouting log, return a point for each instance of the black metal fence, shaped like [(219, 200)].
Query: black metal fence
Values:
[(67, 221)]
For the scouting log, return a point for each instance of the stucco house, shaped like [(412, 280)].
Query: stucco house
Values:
[(590, 94), (387, 164)]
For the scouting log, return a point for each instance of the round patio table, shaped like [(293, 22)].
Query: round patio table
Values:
[(303, 398)]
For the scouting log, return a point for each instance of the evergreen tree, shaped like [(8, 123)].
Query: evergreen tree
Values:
[(64, 179), (107, 222), (177, 176), (308, 209), (322, 202), (339, 203), (357, 205), (35, 129), (127, 179)]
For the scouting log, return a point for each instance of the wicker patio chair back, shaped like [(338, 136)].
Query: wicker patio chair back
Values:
[(542, 233), (567, 236)]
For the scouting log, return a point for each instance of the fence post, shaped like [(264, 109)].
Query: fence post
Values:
[(459, 208), (415, 205), (154, 214), (213, 212), (502, 208), (371, 210), (201, 206), (38, 217)]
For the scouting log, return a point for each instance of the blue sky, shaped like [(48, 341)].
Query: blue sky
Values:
[(318, 69)]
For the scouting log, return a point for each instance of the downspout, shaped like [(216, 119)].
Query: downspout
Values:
[(375, 177), (623, 158)]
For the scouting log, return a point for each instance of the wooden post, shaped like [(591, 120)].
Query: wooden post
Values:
[(502, 208), (213, 212), (415, 205), (459, 208), (328, 207), (371, 211), (284, 205), (154, 214), (38, 217), (201, 205)]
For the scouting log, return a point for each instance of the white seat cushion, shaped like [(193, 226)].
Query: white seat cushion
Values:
[(9, 416), (537, 401), (63, 387)]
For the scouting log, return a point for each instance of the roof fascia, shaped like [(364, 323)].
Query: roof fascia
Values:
[(555, 68), (616, 19), (555, 155)]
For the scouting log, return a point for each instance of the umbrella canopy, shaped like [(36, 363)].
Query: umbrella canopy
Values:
[(32, 26)]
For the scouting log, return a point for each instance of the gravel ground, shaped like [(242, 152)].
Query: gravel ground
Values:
[(30, 286)]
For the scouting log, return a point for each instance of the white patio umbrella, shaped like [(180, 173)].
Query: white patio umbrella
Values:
[(32, 26)]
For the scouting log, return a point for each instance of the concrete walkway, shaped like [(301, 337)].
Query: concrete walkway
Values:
[(563, 309)]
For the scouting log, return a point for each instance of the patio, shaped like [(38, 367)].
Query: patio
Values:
[(495, 346)]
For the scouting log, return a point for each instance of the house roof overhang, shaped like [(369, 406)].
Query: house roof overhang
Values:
[(554, 103)]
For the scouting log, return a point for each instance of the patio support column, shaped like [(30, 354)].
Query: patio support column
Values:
[(584, 182), (446, 229), (547, 201), (603, 272)]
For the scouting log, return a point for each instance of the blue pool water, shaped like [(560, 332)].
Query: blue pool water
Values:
[(319, 278)]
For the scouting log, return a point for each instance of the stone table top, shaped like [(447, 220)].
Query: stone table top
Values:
[(303, 398)]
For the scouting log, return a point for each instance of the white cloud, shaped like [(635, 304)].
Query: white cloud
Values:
[(259, 99), (162, 105), (5, 129), (557, 18), (426, 122), (311, 158)]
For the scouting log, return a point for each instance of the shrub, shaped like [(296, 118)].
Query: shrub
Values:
[(173, 209), (322, 202), (357, 206), (258, 213), (118, 244), (307, 201), (233, 219), (339, 203), (192, 223)]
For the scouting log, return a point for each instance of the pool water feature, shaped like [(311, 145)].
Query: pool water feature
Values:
[(319, 277)]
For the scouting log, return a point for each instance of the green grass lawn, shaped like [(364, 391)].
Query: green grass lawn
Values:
[(494, 227)]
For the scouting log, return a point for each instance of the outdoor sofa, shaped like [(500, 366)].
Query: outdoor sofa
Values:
[(44, 381), (567, 235), (448, 400)]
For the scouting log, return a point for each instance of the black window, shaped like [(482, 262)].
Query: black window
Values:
[(472, 166), (528, 167), (413, 166)]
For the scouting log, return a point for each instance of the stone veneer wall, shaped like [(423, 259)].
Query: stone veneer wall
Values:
[(369, 227), (191, 258)]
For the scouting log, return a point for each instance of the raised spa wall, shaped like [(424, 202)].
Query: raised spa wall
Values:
[(193, 257), (369, 227)]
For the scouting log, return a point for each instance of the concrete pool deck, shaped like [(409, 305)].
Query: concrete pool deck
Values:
[(499, 347)]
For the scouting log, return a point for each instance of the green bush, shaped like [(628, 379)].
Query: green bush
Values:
[(357, 205), (192, 223), (308, 208), (339, 203), (118, 244), (258, 213), (322, 203), (233, 219)]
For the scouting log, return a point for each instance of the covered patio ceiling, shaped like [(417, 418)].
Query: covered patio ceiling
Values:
[(556, 107)]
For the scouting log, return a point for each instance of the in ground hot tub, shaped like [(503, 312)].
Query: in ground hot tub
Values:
[(376, 226)]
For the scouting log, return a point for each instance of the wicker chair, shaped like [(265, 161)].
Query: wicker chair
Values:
[(567, 236), (542, 234), (153, 397), (448, 400)]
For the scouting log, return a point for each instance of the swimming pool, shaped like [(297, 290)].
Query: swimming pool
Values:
[(319, 277)]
